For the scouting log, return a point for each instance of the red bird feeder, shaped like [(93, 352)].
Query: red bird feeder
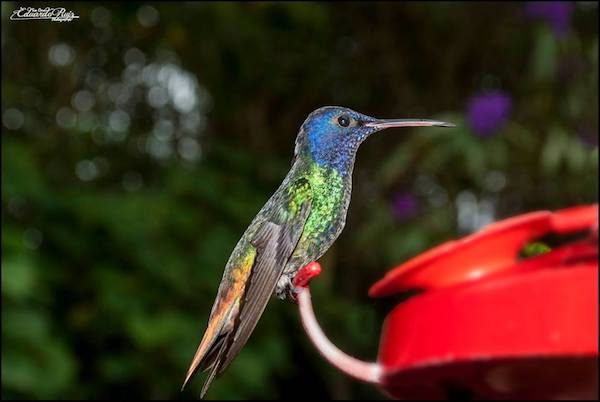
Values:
[(488, 323)]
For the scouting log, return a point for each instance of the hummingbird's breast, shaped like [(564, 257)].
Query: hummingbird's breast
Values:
[(331, 197)]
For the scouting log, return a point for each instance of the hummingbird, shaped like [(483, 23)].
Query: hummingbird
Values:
[(296, 226)]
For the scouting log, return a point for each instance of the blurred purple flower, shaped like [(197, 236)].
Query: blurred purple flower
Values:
[(487, 112), (557, 14), (404, 205)]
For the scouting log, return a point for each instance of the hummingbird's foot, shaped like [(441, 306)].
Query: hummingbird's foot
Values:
[(289, 284), (284, 288)]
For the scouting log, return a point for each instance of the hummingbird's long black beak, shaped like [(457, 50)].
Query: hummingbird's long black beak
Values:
[(388, 123)]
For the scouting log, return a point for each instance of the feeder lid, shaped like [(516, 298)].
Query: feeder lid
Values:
[(492, 250)]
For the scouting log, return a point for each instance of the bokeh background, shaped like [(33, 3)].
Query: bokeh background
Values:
[(139, 140)]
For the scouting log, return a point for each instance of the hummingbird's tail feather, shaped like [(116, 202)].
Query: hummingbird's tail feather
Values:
[(213, 342), (214, 368)]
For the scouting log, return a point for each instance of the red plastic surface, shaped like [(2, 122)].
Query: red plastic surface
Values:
[(306, 274), (492, 325)]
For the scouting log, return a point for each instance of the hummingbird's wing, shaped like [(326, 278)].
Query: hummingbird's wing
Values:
[(274, 243)]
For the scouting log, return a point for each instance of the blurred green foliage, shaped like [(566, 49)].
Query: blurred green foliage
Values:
[(123, 193)]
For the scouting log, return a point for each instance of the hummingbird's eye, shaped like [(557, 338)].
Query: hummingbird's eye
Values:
[(344, 120)]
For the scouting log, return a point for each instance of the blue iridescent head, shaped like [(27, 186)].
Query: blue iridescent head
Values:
[(331, 135)]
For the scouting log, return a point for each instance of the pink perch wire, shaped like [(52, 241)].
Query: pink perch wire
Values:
[(367, 372)]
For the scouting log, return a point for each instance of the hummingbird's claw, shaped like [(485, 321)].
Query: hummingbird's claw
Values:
[(284, 287)]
